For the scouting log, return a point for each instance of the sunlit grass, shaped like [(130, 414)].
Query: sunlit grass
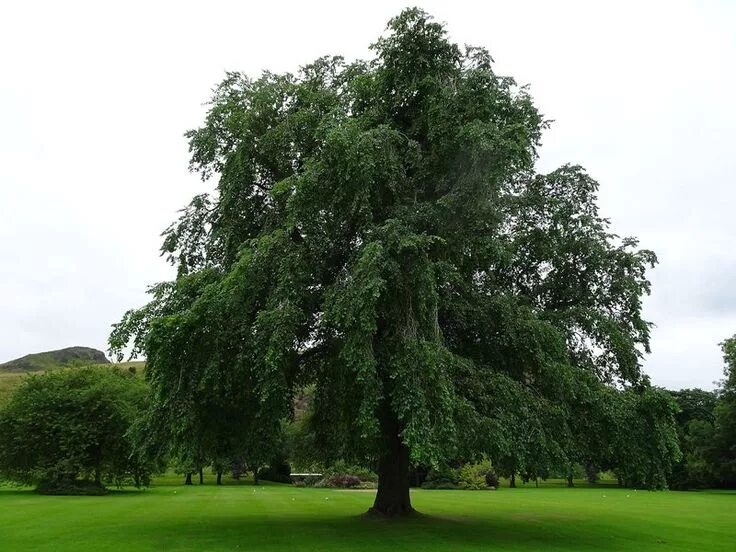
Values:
[(170, 516)]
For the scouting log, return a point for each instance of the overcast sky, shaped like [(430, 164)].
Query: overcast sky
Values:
[(95, 98)]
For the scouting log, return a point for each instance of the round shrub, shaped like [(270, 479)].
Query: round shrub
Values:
[(473, 477), (70, 431), (443, 478)]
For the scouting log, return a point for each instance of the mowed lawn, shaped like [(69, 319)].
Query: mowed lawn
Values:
[(281, 517)]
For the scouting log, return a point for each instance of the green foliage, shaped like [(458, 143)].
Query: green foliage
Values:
[(722, 452), (67, 426), (71, 488), (339, 481), (378, 234), (443, 477), (473, 476), (341, 467), (707, 431), (9, 381), (340, 475), (646, 444), (695, 433), (469, 476)]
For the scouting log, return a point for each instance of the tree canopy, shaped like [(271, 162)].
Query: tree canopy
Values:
[(722, 451), (65, 427), (378, 232)]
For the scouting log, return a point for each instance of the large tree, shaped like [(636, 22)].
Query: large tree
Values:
[(378, 232)]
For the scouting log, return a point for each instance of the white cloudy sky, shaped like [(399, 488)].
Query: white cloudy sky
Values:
[(94, 99)]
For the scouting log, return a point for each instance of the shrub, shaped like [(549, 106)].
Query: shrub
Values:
[(473, 477), (342, 467), (342, 475), (340, 481), (468, 476), (80, 488), (312, 480), (442, 478), (62, 429)]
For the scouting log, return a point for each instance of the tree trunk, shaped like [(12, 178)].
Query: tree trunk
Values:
[(512, 483), (591, 472), (569, 481), (255, 476), (201, 476), (392, 497), (219, 478), (188, 480)]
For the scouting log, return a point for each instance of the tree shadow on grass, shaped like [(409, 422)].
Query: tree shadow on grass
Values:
[(31, 492), (359, 533)]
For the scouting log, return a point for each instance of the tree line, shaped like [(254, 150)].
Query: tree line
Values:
[(74, 430), (706, 426)]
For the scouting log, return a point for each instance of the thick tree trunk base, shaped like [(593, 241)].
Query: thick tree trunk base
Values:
[(392, 512), (375, 513), (392, 498)]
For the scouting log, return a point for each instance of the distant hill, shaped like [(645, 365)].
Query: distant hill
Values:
[(62, 358), (12, 373)]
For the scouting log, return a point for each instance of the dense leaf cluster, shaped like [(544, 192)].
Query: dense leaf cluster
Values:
[(378, 232), (67, 426), (707, 430)]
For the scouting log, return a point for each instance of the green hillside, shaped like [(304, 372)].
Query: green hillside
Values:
[(13, 372), (61, 358)]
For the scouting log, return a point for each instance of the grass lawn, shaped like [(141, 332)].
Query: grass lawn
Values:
[(281, 517)]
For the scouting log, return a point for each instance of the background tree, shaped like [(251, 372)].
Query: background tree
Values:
[(723, 449), (68, 426), (378, 233), (695, 421), (645, 443)]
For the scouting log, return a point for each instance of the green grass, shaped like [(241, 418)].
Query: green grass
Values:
[(280, 517), (8, 382)]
